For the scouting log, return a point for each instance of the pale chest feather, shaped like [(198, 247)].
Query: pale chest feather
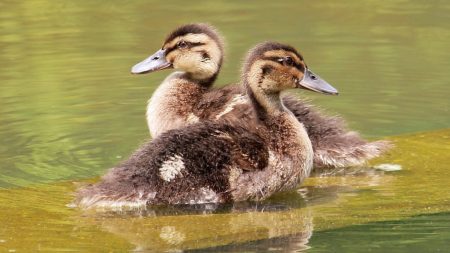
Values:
[(301, 139), (171, 105)]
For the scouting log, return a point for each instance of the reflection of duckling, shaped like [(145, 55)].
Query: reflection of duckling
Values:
[(213, 162), (178, 233), (187, 97)]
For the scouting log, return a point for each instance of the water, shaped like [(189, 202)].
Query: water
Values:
[(418, 233), (69, 109)]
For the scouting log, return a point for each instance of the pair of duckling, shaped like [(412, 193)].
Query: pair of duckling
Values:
[(234, 143)]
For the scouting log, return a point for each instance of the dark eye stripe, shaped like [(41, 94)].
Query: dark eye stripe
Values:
[(170, 49), (204, 53), (298, 66), (189, 45), (272, 58), (196, 44)]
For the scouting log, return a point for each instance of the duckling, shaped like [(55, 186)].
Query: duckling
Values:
[(187, 97), (220, 161)]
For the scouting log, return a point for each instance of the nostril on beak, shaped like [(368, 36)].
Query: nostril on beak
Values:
[(155, 58), (313, 77)]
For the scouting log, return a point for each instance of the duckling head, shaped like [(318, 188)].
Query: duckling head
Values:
[(196, 49), (271, 67)]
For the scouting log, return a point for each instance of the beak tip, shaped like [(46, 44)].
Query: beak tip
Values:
[(133, 71), (334, 93)]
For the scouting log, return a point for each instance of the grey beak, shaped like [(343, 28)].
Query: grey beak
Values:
[(313, 82), (154, 62)]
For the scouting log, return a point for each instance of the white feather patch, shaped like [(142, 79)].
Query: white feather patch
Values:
[(206, 196), (238, 99), (191, 118), (171, 168)]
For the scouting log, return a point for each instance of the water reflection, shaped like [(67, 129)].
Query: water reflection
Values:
[(166, 230), (292, 243)]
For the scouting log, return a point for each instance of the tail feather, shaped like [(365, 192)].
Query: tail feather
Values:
[(351, 155), (112, 193), (93, 197)]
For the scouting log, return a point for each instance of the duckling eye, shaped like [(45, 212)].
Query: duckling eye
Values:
[(182, 44), (288, 61)]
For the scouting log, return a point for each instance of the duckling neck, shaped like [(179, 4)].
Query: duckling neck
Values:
[(266, 103), (288, 141), (204, 80), (203, 74), (171, 105)]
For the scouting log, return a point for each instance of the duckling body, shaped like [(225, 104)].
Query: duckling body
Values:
[(222, 161), (206, 163)]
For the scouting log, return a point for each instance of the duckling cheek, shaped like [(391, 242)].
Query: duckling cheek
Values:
[(209, 67), (186, 62), (284, 81), (291, 79), (173, 60)]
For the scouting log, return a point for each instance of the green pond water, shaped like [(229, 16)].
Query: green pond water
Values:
[(69, 110)]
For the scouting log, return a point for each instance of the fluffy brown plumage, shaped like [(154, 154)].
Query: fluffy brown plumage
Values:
[(182, 99), (216, 162)]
